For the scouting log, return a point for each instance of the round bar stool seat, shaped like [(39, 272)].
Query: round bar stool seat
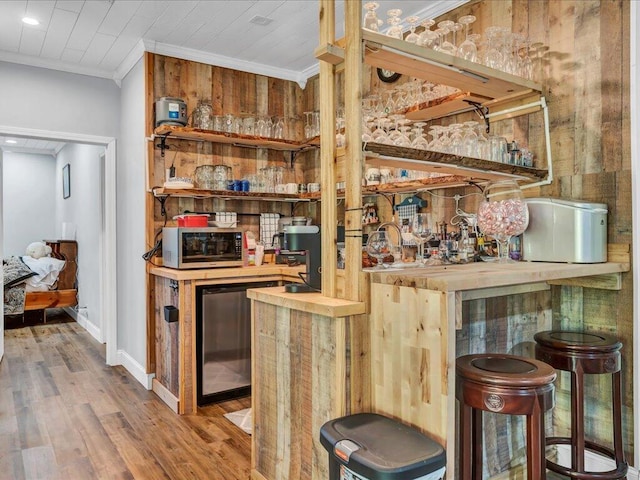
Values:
[(506, 384), (585, 353)]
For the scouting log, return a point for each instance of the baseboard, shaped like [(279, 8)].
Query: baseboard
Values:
[(84, 322), (135, 369)]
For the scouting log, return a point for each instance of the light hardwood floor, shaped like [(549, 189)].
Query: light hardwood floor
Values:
[(64, 414)]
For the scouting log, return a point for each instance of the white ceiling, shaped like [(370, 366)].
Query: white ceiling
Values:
[(105, 38), (30, 145)]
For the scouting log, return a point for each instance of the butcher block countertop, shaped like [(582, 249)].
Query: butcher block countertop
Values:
[(307, 302), (486, 275), (268, 270)]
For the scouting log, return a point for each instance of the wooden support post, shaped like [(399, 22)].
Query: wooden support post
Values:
[(353, 150), (328, 174)]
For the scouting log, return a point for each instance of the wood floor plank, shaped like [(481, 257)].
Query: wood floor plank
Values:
[(39, 462), (11, 464), (64, 411), (104, 457), (137, 456)]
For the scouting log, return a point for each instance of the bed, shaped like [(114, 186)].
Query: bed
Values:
[(33, 285)]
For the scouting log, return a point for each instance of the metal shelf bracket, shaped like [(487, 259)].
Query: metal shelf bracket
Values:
[(483, 112), (163, 144)]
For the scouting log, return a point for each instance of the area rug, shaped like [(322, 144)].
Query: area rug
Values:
[(241, 418)]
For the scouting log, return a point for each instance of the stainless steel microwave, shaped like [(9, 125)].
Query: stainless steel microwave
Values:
[(206, 247)]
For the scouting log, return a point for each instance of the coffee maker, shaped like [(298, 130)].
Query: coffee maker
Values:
[(305, 238)]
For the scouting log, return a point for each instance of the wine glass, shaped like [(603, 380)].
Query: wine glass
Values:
[(467, 49), (421, 231), (379, 245), (395, 30), (503, 213), (446, 46), (413, 23), (371, 21), (428, 36)]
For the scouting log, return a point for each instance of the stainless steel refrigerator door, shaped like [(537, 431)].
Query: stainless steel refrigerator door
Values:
[(226, 341)]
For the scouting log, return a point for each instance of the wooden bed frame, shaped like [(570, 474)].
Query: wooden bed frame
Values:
[(66, 295), (50, 299)]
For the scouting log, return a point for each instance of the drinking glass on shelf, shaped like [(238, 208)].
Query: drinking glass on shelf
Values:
[(413, 23), (493, 57), (308, 125), (467, 49), (371, 20), (446, 46), (421, 231), (428, 37), (395, 29), (419, 141), (379, 245), (498, 146), (278, 128), (470, 139)]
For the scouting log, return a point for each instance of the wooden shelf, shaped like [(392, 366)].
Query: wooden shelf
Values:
[(474, 170), (444, 106), (437, 67), (232, 195), (199, 135)]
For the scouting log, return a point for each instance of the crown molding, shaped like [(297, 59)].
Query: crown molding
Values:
[(219, 60), (129, 62)]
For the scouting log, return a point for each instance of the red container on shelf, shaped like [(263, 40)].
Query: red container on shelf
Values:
[(192, 220)]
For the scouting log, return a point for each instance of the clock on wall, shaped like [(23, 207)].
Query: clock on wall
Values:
[(387, 75)]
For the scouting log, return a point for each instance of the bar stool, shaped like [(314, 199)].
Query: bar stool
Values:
[(505, 384), (580, 353)]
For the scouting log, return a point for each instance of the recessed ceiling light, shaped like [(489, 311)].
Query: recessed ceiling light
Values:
[(30, 21), (11, 141)]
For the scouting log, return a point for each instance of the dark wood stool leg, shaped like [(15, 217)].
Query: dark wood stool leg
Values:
[(577, 421), (465, 441), (616, 387), (478, 451), (536, 460)]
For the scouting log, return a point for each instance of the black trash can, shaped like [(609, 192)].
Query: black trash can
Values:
[(368, 446)]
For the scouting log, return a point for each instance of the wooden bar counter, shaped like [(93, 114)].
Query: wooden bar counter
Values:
[(414, 317), (304, 348), (173, 345)]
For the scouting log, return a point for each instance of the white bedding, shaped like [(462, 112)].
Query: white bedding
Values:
[(47, 270)]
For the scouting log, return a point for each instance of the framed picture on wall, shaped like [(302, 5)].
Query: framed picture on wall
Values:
[(66, 181)]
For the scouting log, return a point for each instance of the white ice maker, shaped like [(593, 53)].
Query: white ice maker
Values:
[(569, 231)]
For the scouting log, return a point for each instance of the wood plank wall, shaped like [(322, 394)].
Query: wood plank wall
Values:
[(584, 70), (240, 94), (583, 67)]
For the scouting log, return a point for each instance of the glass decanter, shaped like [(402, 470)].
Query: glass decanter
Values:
[(502, 214)]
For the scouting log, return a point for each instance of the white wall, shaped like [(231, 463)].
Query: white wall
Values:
[(43, 99), (131, 185), (29, 183), (83, 209)]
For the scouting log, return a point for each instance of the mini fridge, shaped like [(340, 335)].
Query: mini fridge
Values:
[(223, 341)]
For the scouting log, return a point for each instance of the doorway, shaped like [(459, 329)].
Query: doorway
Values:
[(107, 275)]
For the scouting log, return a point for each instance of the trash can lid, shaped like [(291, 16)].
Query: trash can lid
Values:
[(381, 448)]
